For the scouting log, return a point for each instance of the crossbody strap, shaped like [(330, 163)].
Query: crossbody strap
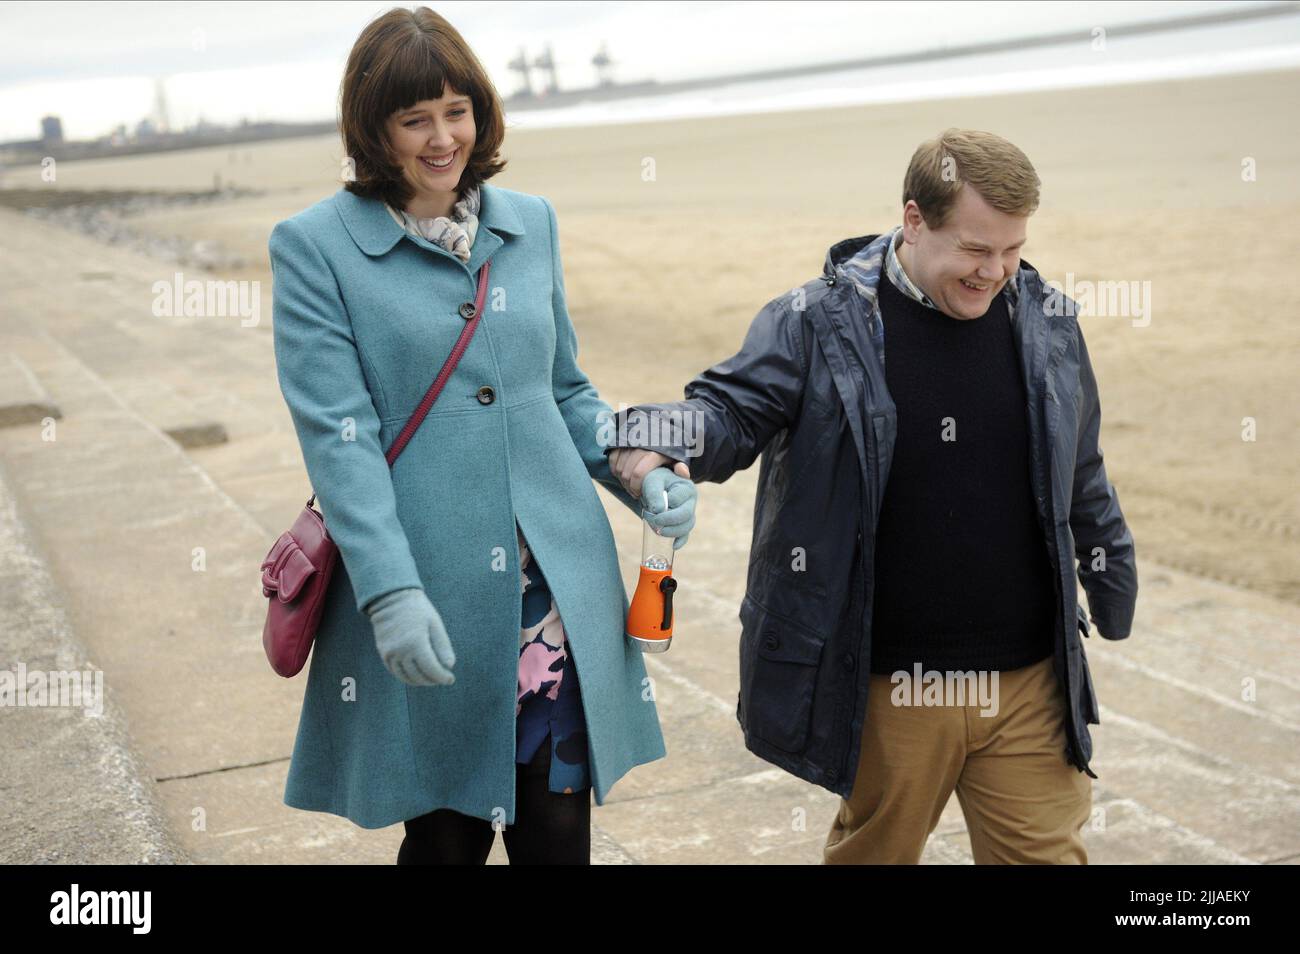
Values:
[(448, 366)]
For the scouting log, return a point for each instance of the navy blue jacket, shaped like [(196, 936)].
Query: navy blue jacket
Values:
[(807, 391)]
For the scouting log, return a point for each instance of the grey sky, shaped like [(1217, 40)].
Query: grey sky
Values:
[(94, 64)]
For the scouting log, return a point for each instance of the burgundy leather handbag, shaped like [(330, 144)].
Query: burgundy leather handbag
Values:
[(297, 571)]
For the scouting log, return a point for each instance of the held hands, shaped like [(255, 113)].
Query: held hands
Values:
[(411, 638), (679, 518), (631, 464)]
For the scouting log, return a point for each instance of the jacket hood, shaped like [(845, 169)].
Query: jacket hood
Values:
[(845, 249)]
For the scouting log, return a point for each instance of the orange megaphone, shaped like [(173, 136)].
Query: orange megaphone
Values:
[(650, 618)]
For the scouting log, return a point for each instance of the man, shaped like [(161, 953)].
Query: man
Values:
[(919, 516)]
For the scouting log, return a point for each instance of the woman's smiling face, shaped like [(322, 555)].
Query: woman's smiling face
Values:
[(432, 142)]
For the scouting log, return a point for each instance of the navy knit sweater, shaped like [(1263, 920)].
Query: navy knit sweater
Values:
[(962, 575)]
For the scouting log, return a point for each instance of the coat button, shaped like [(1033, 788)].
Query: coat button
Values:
[(832, 775), (486, 395), (467, 310), (848, 661), (770, 642)]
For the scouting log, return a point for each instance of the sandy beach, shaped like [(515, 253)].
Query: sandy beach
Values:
[(1141, 184)]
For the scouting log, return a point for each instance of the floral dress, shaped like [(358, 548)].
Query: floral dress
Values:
[(549, 700)]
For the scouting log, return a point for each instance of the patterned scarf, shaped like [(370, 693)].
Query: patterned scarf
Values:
[(455, 233)]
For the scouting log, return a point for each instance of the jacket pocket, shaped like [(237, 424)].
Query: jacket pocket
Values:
[(779, 662)]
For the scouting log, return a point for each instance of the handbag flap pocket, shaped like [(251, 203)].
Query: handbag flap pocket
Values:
[(294, 574), (286, 569)]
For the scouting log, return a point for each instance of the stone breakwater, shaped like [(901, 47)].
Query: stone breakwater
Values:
[(107, 216)]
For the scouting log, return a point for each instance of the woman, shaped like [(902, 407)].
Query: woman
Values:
[(452, 686)]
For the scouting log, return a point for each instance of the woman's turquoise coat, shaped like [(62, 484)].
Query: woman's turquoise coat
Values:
[(364, 316)]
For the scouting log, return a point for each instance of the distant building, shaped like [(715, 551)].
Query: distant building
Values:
[(51, 130)]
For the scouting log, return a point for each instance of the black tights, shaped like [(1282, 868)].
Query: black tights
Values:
[(550, 828)]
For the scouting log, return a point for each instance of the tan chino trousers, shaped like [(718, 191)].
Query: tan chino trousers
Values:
[(1023, 802)]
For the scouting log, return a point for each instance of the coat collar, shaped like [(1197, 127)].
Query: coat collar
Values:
[(376, 232), (856, 309)]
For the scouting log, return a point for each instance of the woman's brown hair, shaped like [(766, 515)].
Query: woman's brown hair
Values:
[(401, 58)]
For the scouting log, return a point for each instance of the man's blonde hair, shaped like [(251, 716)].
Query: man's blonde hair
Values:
[(990, 165)]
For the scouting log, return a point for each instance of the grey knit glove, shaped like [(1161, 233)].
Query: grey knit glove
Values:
[(411, 639), (679, 518)]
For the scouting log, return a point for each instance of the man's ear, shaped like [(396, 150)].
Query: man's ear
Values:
[(912, 221)]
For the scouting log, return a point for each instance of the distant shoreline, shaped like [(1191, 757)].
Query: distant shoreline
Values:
[(25, 153), (1167, 25)]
